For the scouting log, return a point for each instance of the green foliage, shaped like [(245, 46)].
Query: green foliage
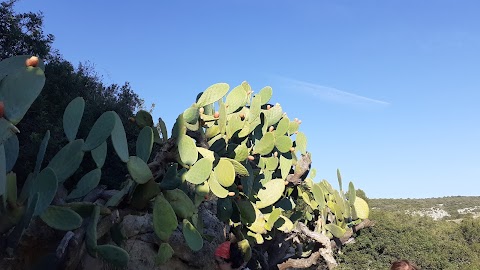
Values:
[(72, 117), (61, 218), (164, 218), (243, 154), (165, 252), (430, 244), (114, 255)]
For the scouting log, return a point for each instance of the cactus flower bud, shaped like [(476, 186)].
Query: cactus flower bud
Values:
[(32, 61), (231, 193), (216, 115)]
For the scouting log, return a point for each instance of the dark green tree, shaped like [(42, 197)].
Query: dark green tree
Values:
[(22, 33)]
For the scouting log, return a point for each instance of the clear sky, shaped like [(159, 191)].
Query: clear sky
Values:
[(388, 91)]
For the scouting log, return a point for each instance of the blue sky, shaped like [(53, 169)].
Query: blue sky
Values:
[(387, 91)]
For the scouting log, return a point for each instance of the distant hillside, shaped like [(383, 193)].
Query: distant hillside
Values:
[(446, 208), (402, 231)]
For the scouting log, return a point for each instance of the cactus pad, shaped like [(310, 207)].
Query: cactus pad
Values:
[(61, 218)]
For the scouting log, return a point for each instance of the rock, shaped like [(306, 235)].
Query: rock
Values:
[(142, 244)]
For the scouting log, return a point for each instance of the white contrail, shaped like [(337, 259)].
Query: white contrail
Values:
[(331, 93)]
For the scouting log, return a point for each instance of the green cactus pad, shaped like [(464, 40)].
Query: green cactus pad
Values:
[(119, 139), (88, 182), (236, 98), (339, 178), (319, 196), (163, 129), (202, 189), (286, 204), (16, 234), (270, 193), (301, 143), (12, 149), (255, 109), (241, 153), (247, 211), (245, 249), (200, 171), (165, 252), (67, 160), (19, 90), (265, 145), (187, 150), (192, 236), (257, 237), (360, 209), (7, 130), (235, 124), (72, 117), (164, 218), (283, 143), (273, 115), (225, 172), (91, 233), (336, 230), (215, 187), (101, 130), (293, 127), (284, 224), (114, 255), (191, 115), (11, 189), (224, 209), (139, 170), (222, 119), (265, 94), (258, 226), (99, 154), (61, 218), (240, 170), (171, 180), (282, 126), (285, 166), (351, 194), (143, 119), (145, 143), (144, 193), (45, 184), (15, 64), (180, 202), (272, 218), (271, 163), (212, 131), (41, 152), (212, 94), (208, 154)]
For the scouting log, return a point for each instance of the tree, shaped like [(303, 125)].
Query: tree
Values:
[(23, 33)]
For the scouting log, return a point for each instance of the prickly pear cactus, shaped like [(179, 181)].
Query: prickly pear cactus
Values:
[(234, 146)]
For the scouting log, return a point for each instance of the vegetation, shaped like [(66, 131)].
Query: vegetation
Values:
[(234, 146), (457, 207), (430, 244), (22, 34)]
